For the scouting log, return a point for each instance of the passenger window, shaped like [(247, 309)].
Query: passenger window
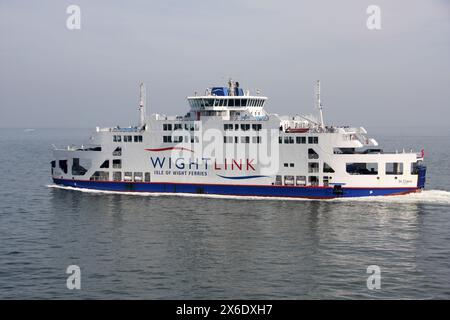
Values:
[(327, 168), (288, 180), (138, 176), (128, 176), (394, 168), (117, 163), (278, 181), (300, 181), (105, 164), (361, 168), (63, 165), (117, 176), (313, 180)]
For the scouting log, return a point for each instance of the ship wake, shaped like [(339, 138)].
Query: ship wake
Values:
[(440, 197)]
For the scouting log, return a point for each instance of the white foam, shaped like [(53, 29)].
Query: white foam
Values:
[(426, 196)]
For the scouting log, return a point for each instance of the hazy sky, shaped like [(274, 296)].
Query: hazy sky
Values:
[(54, 77)]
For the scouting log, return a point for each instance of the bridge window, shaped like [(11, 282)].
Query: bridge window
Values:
[(245, 127), (394, 168), (313, 140), (257, 126), (362, 168), (231, 102), (208, 102), (178, 139), (228, 126), (117, 138), (167, 127), (137, 138), (288, 140), (300, 139), (167, 139), (177, 126), (127, 138)]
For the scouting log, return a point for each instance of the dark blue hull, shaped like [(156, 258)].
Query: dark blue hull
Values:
[(234, 190)]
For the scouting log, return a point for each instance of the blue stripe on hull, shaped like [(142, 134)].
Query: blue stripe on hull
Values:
[(233, 190)]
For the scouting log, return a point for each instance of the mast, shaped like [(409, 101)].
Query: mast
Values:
[(319, 104), (142, 103)]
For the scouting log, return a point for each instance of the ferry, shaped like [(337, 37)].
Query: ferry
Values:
[(229, 144)]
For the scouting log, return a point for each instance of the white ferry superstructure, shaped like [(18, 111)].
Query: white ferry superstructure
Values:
[(228, 144)]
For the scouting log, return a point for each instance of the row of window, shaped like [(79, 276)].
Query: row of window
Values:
[(180, 139), (313, 167), (116, 164), (233, 102), (298, 140), (213, 113), (118, 176), (127, 138), (179, 126), (300, 181), (362, 168), (242, 126), (228, 139), (391, 168)]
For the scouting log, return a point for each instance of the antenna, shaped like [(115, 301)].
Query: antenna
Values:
[(319, 104), (142, 103)]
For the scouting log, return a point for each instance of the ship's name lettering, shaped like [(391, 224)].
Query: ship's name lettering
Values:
[(205, 163)]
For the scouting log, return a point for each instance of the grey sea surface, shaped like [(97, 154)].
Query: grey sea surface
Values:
[(180, 247)]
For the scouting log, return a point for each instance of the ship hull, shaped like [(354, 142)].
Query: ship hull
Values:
[(234, 190)]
